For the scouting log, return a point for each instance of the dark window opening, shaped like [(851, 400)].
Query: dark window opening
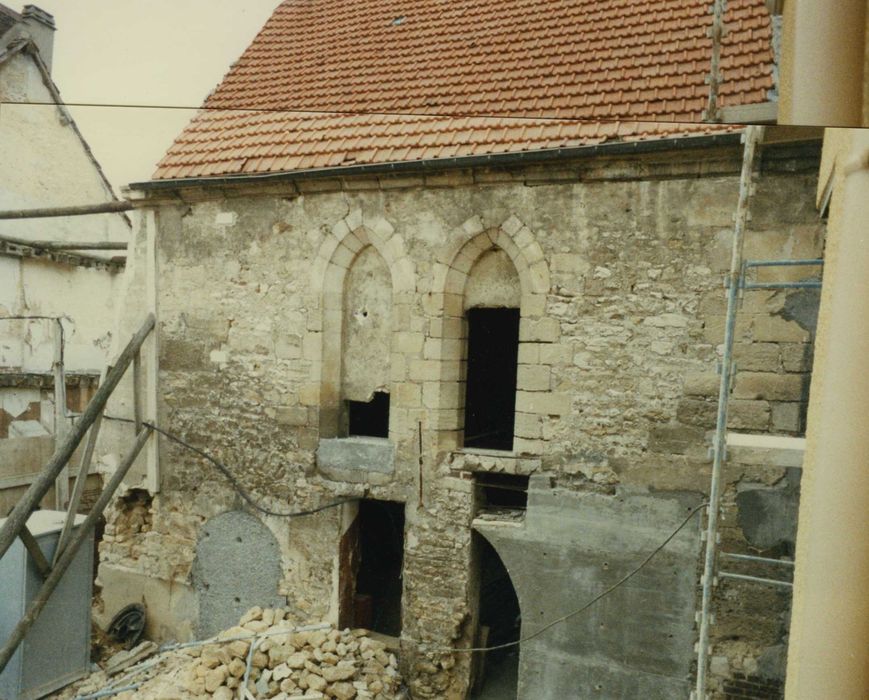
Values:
[(377, 598), (496, 672), (490, 398), (502, 490), (371, 418)]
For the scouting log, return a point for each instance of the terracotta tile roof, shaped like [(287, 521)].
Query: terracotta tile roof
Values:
[(423, 79)]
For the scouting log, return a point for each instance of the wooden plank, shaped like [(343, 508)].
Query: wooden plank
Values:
[(767, 450)]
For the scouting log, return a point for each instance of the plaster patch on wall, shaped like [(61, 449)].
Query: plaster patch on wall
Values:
[(493, 282), (367, 327)]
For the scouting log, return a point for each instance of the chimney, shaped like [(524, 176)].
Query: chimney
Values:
[(39, 26)]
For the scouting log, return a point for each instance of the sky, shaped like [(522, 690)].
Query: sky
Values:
[(143, 52)]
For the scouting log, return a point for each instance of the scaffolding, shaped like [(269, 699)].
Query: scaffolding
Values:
[(736, 283)]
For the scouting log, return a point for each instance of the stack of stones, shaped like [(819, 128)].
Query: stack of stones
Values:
[(287, 664)]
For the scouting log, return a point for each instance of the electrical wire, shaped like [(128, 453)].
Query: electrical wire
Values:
[(624, 579), (231, 478), (424, 646), (373, 112)]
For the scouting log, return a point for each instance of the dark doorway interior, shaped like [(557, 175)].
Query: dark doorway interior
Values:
[(499, 491), (490, 398), (497, 672), (369, 418), (377, 599)]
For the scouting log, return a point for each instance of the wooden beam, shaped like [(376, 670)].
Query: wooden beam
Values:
[(28, 249), (760, 113), (81, 210), (32, 546)]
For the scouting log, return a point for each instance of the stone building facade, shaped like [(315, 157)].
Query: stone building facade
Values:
[(289, 307)]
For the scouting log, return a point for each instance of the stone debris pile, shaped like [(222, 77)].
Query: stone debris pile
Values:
[(282, 664)]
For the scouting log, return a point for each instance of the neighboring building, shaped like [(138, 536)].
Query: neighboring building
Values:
[(494, 337), (824, 62), (46, 163), (829, 651)]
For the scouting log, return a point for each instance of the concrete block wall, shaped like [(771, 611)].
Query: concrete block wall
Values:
[(619, 268)]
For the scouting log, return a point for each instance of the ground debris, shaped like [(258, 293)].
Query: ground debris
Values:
[(280, 659)]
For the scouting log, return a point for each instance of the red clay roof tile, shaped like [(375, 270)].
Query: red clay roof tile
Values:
[(316, 86)]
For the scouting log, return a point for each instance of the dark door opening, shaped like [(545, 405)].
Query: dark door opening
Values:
[(372, 553), (496, 673), (490, 394), (369, 418)]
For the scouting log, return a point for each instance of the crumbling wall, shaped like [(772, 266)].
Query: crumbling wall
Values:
[(619, 265)]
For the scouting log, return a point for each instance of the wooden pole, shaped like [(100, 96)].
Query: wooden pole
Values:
[(81, 210), (75, 543), (61, 483), (66, 245), (40, 486)]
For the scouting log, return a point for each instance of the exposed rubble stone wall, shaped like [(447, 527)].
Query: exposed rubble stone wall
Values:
[(619, 265)]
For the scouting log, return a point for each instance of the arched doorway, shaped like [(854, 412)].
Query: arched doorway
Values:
[(495, 674)]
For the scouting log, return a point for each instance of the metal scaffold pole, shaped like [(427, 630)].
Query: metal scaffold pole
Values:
[(752, 136)]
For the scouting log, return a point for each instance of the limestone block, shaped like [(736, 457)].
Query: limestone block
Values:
[(512, 225), (408, 395), (529, 353), (291, 415), (534, 378), (796, 357), (697, 412), (354, 219), (769, 386), (444, 349), (538, 276), (748, 415), (525, 446), (528, 425), (764, 357), (424, 370), (544, 330), (533, 305), (777, 330), (555, 354), (702, 384), (408, 342), (676, 439), (786, 417), (543, 403), (309, 394)]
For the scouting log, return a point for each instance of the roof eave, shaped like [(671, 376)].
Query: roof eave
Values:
[(495, 159)]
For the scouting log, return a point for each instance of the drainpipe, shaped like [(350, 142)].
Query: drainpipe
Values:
[(829, 646), (824, 81)]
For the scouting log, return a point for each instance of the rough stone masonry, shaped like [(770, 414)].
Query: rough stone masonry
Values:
[(270, 299)]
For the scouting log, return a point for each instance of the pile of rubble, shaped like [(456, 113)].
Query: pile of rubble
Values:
[(278, 663), (266, 653)]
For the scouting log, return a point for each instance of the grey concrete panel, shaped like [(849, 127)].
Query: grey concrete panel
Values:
[(237, 566), (355, 455), (637, 642)]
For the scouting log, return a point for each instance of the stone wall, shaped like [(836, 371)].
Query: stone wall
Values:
[(619, 267)]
